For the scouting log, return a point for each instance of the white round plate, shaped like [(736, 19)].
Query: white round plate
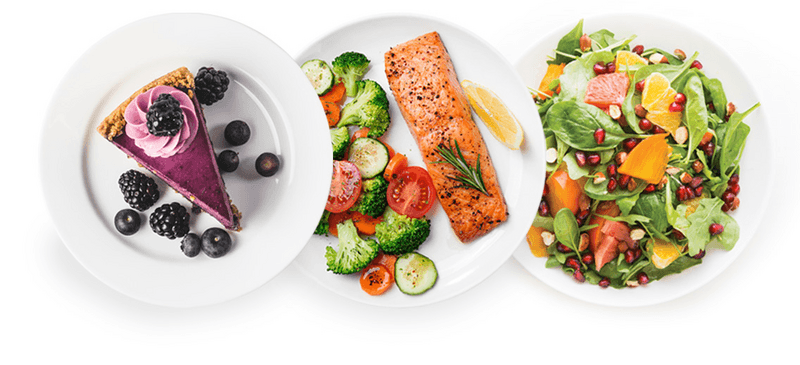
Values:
[(268, 91), (521, 173), (756, 166)]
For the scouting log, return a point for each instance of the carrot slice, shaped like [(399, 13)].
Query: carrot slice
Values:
[(397, 163), (364, 223), (363, 132), (335, 94), (376, 279), (332, 112), (648, 160)]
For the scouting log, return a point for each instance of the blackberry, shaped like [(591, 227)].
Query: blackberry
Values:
[(210, 85), (165, 117), (139, 190), (170, 220)]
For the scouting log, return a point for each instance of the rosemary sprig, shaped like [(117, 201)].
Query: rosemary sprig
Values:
[(470, 178)]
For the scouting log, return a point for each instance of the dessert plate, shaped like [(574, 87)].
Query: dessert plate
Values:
[(757, 166), (521, 173), (268, 91)]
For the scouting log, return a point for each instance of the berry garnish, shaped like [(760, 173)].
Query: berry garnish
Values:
[(210, 85), (127, 221), (165, 117), (228, 161), (237, 133), (267, 164), (191, 245), (139, 190), (170, 220), (216, 242)]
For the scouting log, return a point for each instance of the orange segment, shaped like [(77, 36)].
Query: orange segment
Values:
[(670, 121), (657, 95), (664, 253), (536, 243), (625, 59), (553, 72), (494, 113)]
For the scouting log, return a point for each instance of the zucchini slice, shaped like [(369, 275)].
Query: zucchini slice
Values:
[(414, 273), (370, 156), (320, 75)]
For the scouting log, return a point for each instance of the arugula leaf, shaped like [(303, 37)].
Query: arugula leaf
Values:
[(575, 122), (695, 225), (696, 114), (677, 266)]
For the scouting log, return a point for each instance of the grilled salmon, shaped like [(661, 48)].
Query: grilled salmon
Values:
[(426, 88)]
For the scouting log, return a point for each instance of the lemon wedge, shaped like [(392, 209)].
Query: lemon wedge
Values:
[(494, 113)]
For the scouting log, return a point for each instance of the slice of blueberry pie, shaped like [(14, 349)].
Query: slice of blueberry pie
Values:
[(162, 127)]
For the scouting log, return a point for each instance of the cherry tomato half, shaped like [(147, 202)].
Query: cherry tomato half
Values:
[(412, 192), (345, 187)]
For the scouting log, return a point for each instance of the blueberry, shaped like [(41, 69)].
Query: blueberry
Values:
[(228, 161), (267, 164), (216, 242), (190, 245), (237, 133), (127, 221)]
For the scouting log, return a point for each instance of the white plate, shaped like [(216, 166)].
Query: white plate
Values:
[(756, 167), (521, 173), (268, 91)]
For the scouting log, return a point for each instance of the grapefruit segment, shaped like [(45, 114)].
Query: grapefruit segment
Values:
[(607, 89)]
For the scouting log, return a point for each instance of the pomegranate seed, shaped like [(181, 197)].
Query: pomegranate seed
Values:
[(580, 156), (700, 255), (544, 209), (572, 263), (696, 181), (715, 229), (698, 191), (629, 256), (650, 188), (682, 193), (696, 64), (611, 67), (680, 98), (645, 125), (593, 159), (678, 234), (611, 170), (711, 108), (600, 68), (642, 278), (709, 148), (624, 180), (587, 258), (735, 204), (726, 207), (658, 130), (675, 107), (728, 197), (563, 248), (734, 189), (612, 184), (734, 179), (640, 86), (638, 49), (604, 283), (637, 253), (546, 190), (578, 275), (600, 135), (630, 143)]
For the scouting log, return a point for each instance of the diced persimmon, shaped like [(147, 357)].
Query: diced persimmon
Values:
[(536, 243), (553, 73), (563, 192), (648, 160)]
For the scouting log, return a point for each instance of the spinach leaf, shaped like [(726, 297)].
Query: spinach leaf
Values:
[(731, 138), (574, 123), (672, 72), (680, 264), (695, 225), (569, 45), (543, 222), (566, 229), (714, 91), (696, 114), (670, 57), (603, 38), (652, 206), (629, 108), (631, 219), (600, 191), (578, 73), (574, 170), (627, 203)]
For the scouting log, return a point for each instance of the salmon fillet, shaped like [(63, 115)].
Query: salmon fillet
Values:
[(427, 91)]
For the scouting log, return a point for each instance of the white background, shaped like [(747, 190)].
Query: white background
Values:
[(52, 310)]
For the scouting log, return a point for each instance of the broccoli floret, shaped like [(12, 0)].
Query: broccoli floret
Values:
[(398, 234), (372, 201), (369, 108), (354, 253), (340, 139), (322, 226), (350, 67)]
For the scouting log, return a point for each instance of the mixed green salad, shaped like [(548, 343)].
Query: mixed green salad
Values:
[(643, 152)]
